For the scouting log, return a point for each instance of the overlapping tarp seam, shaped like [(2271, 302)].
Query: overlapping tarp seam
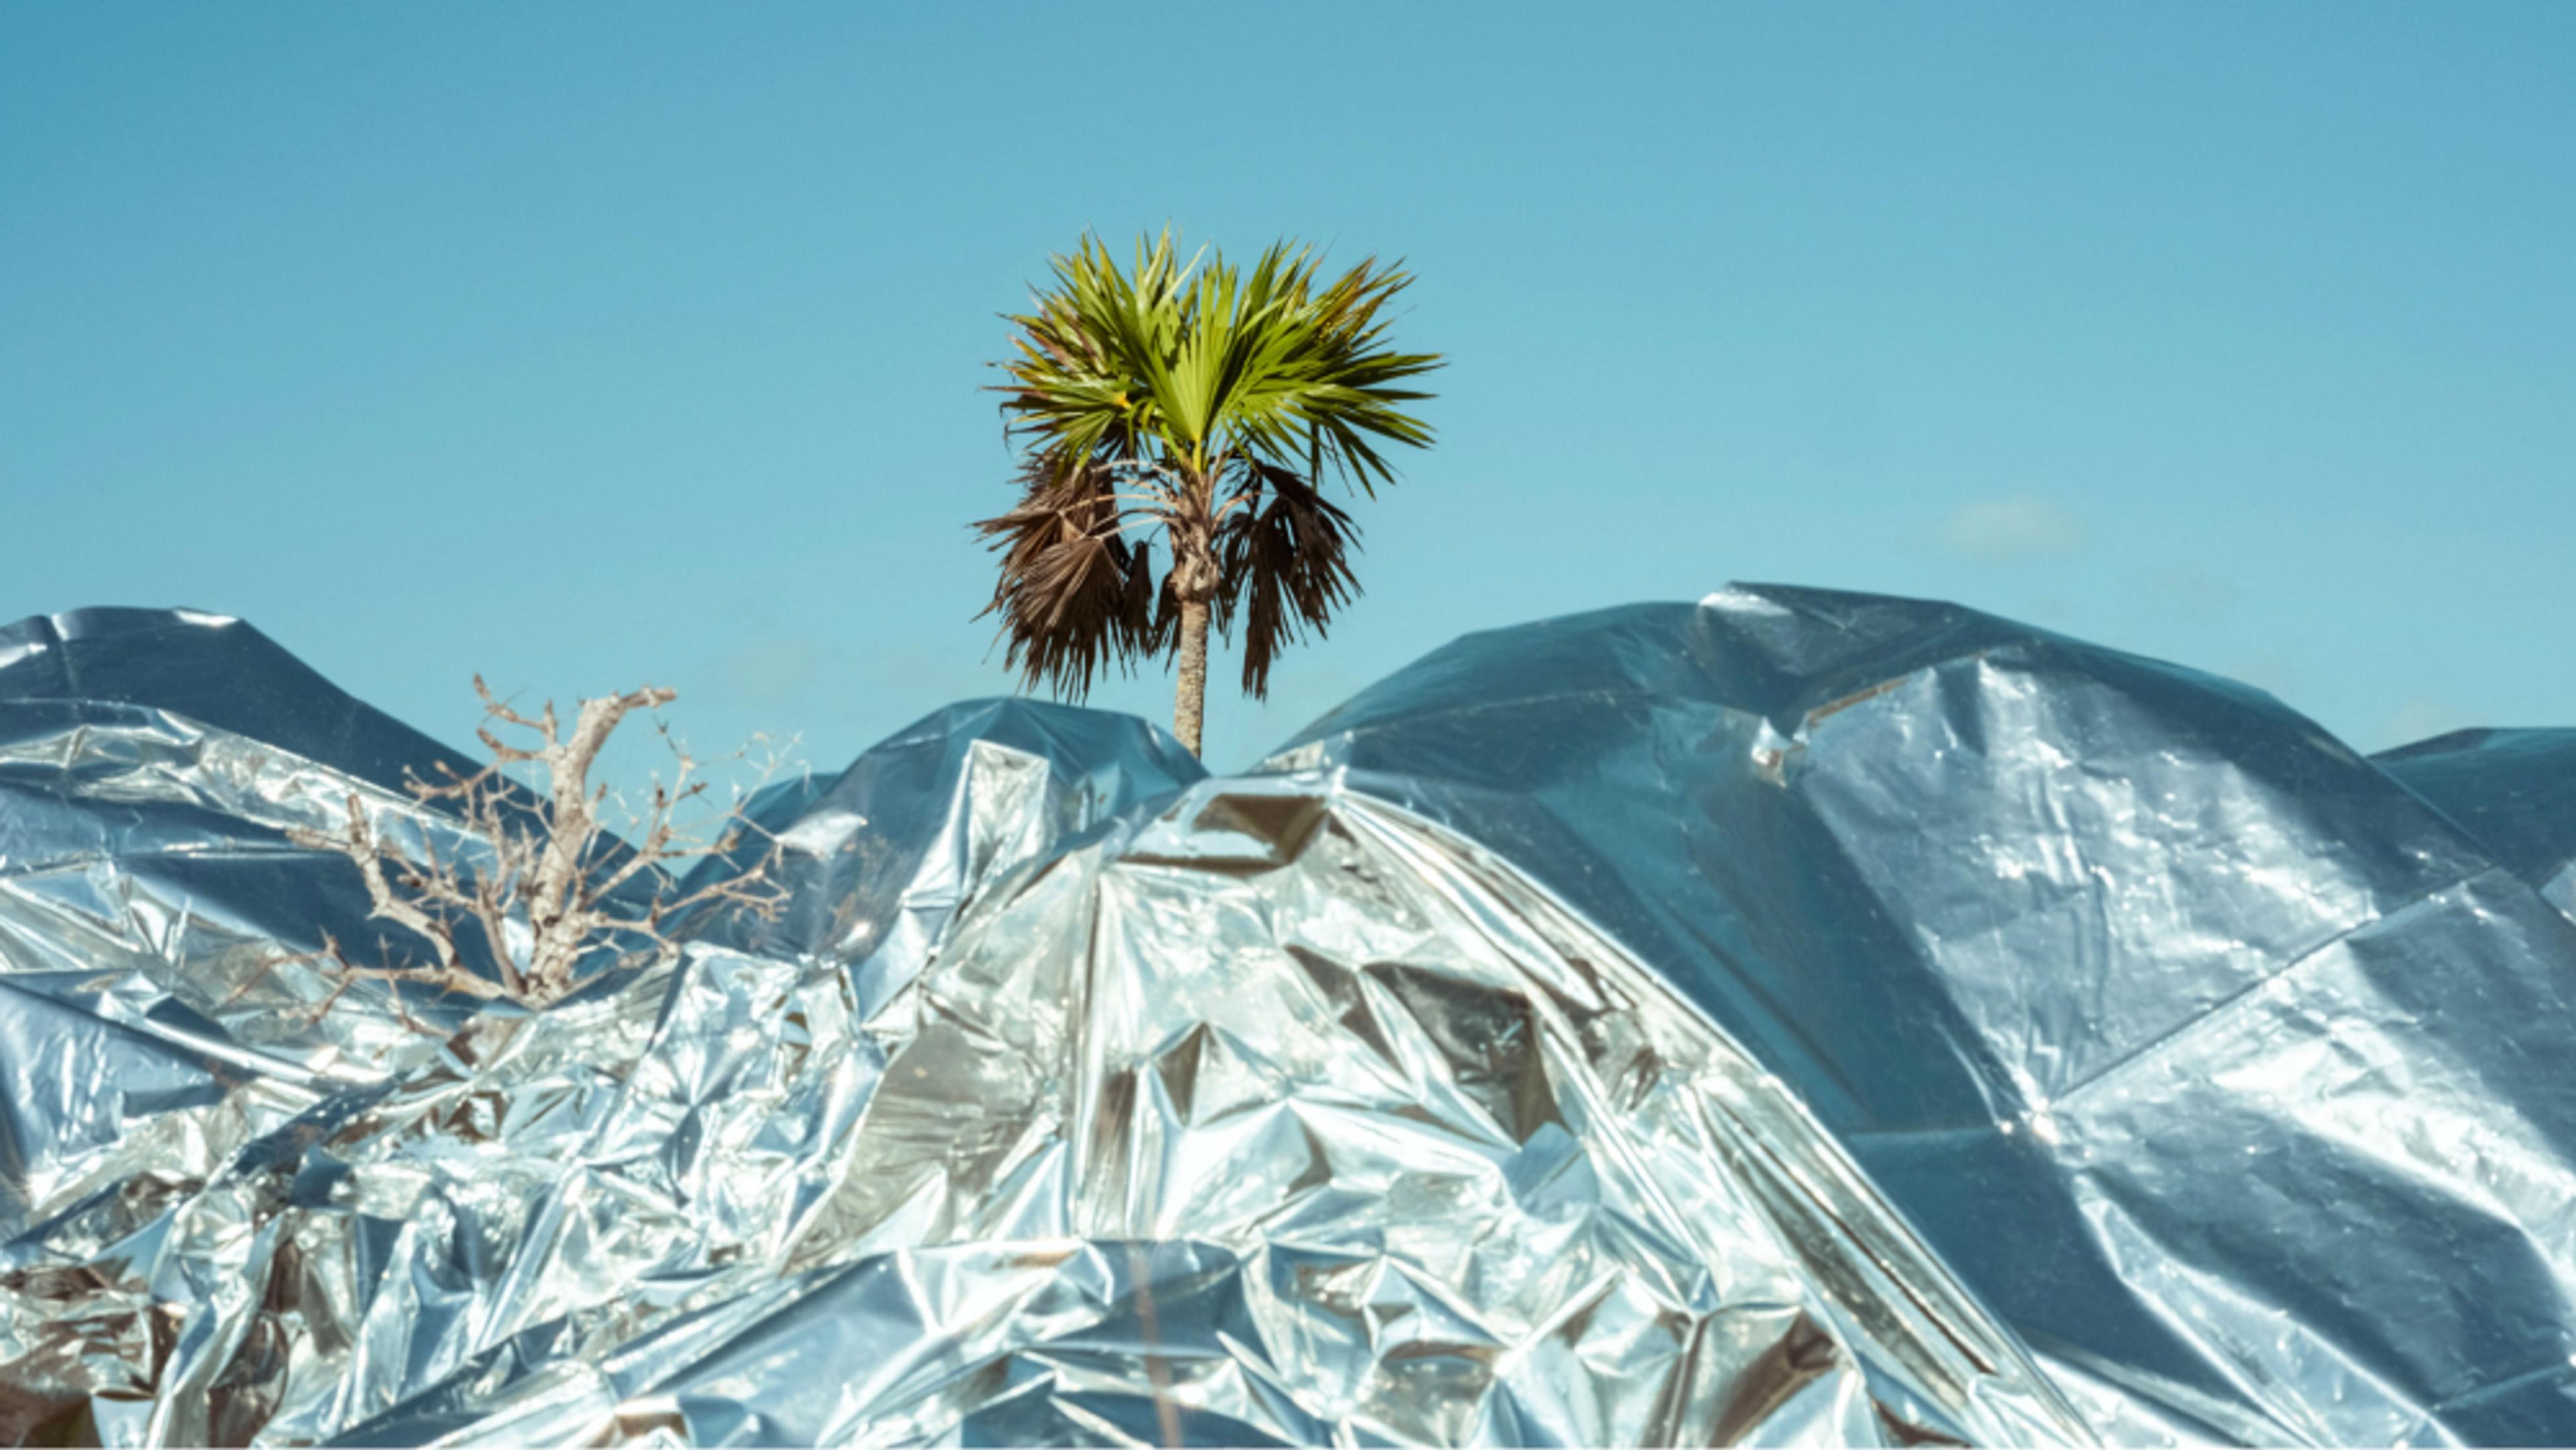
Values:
[(2228, 1005)]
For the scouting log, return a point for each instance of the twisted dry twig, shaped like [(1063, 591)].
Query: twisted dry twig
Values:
[(550, 885)]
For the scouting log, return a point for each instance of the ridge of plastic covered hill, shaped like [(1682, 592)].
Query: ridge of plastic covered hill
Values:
[(215, 670)]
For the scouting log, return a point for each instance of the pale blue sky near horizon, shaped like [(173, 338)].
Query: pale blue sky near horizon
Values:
[(585, 345)]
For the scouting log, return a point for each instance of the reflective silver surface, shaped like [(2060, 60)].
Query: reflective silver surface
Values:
[(2221, 1063), (1799, 1018)]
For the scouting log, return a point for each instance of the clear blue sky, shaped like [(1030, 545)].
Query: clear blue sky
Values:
[(586, 345)]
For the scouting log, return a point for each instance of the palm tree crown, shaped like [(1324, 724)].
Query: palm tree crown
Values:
[(1204, 404)]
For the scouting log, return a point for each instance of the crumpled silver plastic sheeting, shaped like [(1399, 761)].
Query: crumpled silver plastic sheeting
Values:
[(1041, 1114), (1801, 1018), (1074, 1098), (2227, 1067)]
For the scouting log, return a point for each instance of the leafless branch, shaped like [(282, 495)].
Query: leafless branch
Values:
[(546, 883)]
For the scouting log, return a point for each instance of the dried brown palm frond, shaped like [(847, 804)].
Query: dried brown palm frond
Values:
[(1073, 593), (1286, 559)]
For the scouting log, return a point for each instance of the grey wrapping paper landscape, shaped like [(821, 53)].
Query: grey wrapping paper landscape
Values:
[(1795, 1018)]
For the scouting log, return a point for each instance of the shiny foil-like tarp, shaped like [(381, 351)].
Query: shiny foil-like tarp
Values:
[(1796, 1018)]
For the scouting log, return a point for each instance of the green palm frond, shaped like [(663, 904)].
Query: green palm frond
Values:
[(1185, 394)]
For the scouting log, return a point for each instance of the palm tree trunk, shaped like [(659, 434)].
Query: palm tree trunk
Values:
[(1189, 695)]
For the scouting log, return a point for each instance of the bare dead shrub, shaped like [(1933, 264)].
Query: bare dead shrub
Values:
[(549, 883)]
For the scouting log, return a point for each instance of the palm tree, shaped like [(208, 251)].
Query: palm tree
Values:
[(1195, 402)]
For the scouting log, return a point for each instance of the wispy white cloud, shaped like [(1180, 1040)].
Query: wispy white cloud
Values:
[(2021, 526)]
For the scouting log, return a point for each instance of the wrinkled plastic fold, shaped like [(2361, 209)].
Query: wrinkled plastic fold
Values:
[(1798, 1018)]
